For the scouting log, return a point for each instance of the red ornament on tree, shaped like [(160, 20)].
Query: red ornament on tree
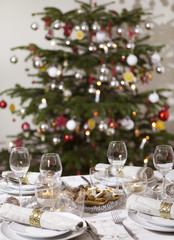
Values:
[(3, 104), (25, 126), (164, 115)]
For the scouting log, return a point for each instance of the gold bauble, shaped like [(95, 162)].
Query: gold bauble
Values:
[(91, 123)]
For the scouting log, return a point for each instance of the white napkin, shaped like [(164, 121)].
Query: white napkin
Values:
[(48, 220), (146, 205), (130, 170), (31, 176)]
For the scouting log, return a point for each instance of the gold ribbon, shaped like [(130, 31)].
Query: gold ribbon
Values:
[(35, 217), (25, 178), (165, 210)]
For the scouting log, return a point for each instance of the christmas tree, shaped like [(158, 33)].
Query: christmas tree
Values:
[(86, 92)]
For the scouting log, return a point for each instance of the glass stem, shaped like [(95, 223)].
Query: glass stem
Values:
[(164, 186), (51, 198), (20, 190), (117, 181)]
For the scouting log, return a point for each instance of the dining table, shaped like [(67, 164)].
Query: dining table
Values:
[(102, 225)]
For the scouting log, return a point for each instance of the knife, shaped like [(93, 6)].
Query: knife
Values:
[(93, 235)]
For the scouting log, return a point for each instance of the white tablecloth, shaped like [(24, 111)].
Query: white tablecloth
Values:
[(104, 225)]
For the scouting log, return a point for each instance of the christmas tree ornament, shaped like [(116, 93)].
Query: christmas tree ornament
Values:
[(79, 11), (14, 59), (91, 123), (84, 26), (43, 127), (12, 108), (91, 89), (67, 94), (68, 138), (80, 35), (160, 69), (132, 60), (119, 69), (149, 25), (104, 70), (100, 36), (130, 45), (114, 82), (128, 76), (56, 25), (96, 27), (155, 58), (52, 71), (103, 78), (127, 123), (164, 115), (102, 126), (71, 125), (53, 42), (78, 75), (154, 97), (21, 112), (60, 121), (34, 26), (56, 140), (137, 132), (3, 104), (37, 63), (137, 30), (61, 86), (67, 42), (92, 47), (77, 28), (110, 131), (25, 126), (42, 69), (111, 44), (160, 125), (120, 31)]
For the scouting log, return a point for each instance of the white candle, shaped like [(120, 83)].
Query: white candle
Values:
[(97, 96), (43, 104), (143, 143), (154, 126)]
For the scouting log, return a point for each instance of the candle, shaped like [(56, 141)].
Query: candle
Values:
[(43, 103), (153, 126), (143, 142), (97, 96)]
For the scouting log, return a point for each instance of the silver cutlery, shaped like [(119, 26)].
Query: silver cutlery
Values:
[(117, 220), (93, 235), (85, 179)]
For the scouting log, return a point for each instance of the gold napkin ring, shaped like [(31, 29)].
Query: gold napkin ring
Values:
[(35, 217), (25, 178), (165, 210)]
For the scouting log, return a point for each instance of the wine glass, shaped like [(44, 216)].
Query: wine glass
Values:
[(117, 156), (51, 171), (163, 161), (19, 164)]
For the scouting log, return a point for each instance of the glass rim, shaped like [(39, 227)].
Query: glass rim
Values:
[(19, 148), (50, 154)]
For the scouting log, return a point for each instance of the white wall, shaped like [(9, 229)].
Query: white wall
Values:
[(15, 30)]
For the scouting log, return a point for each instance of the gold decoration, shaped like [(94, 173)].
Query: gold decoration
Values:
[(128, 76), (91, 123), (165, 210), (35, 217), (42, 69), (80, 35), (25, 178), (160, 125), (12, 108), (137, 132)]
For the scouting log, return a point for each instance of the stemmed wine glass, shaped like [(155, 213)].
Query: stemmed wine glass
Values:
[(19, 164), (51, 171), (163, 161), (117, 156)]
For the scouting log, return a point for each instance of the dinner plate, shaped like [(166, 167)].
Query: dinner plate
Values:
[(15, 186), (33, 231), (134, 216)]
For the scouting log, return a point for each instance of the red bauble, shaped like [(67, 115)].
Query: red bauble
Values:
[(3, 104), (163, 115), (25, 126)]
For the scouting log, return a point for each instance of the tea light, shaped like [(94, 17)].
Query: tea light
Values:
[(44, 196), (134, 186)]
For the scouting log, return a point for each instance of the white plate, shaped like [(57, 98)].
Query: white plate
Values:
[(15, 186), (157, 220), (33, 231), (146, 224), (16, 191), (13, 235)]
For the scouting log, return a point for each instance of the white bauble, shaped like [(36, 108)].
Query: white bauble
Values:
[(67, 93), (71, 125), (52, 71), (100, 36), (153, 97), (155, 58), (132, 60), (127, 123)]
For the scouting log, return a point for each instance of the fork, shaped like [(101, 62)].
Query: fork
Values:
[(117, 220)]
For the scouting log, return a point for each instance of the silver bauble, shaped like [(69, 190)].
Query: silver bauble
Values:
[(91, 89), (110, 131), (137, 30), (84, 27), (53, 86), (56, 140), (96, 27), (43, 127), (103, 78), (104, 70), (102, 126), (92, 48), (13, 59), (34, 26), (37, 63), (78, 75), (56, 25), (119, 69), (149, 25), (130, 45), (77, 27), (160, 69), (120, 31), (114, 82)]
